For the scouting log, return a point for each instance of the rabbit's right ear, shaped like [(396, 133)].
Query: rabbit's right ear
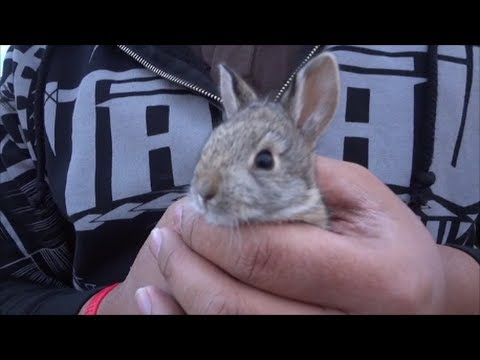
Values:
[(235, 92), (313, 97)]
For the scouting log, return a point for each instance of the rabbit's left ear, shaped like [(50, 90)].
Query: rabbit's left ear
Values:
[(313, 97), (235, 92)]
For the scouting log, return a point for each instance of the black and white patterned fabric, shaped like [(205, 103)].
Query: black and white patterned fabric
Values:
[(121, 144)]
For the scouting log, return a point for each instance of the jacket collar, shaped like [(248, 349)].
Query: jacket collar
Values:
[(184, 66), (178, 61)]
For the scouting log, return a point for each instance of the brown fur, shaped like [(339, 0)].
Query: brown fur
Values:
[(229, 189)]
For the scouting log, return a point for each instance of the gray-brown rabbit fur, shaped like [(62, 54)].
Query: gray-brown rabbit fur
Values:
[(232, 184)]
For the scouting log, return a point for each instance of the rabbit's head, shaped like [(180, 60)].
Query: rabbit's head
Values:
[(257, 166)]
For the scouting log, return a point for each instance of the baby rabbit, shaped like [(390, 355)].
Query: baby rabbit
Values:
[(258, 165)]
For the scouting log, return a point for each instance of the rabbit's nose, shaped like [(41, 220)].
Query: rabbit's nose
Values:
[(209, 188), (209, 195)]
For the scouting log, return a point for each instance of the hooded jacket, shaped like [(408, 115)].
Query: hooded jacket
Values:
[(97, 141)]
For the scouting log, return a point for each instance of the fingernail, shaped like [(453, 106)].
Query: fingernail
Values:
[(143, 301), (156, 242)]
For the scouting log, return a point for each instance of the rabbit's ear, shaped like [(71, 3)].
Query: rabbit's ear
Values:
[(313, 96), (235, 92)]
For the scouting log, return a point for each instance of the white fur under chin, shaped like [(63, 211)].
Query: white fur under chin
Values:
[(313, 196)]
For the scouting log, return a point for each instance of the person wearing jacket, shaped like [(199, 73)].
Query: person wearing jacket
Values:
[(97, 142)]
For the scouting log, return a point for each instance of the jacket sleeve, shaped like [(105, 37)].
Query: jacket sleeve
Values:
[(36, 242), (471, 244)]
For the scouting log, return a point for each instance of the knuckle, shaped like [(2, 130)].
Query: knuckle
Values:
[(416, 296), (255, 260), (219, 304), (405, 301), (191, 233), (404, 296), (167, 263)]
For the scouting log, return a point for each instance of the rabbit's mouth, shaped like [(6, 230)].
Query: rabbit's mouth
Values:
[(197, 202), (208, 210), (212, 214)]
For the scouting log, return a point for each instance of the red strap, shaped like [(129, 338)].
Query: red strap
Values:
[(94, 302)]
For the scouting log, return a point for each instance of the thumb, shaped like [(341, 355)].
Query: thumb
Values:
[(153, 301)]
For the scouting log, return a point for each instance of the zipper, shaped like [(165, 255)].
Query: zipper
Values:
[(198, 89), (289, 80), (168, 76)]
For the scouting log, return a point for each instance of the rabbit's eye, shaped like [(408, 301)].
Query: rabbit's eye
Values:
[(264, 160)]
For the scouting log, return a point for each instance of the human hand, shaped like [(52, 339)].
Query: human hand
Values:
[(377, 258), (143, 291)]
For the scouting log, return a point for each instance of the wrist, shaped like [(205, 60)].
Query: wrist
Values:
[(103, 302), (462, 276)]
